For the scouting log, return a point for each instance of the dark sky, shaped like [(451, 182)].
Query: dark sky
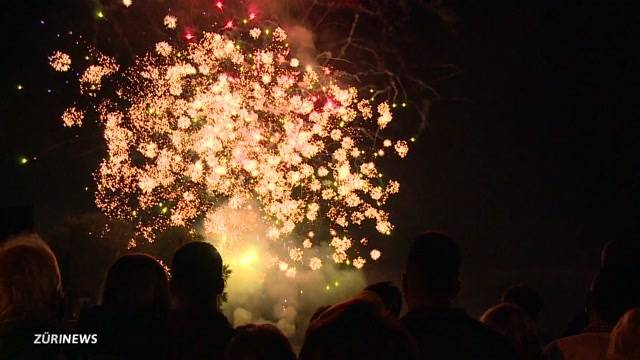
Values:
[(530, 159)]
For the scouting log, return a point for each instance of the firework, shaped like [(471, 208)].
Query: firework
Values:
[(170, 21), (72, 117), (315, 263), (239, 121), (60, 61)]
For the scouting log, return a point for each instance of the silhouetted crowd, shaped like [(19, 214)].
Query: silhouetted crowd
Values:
[(146, 314)]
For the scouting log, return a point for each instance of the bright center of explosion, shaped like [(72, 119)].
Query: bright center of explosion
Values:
[(247, 259), (236, 235)]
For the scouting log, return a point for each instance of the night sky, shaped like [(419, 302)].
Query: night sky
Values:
[(530, 158)]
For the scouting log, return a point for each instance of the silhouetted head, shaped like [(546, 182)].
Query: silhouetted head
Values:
[(359, 328), (624, 343), (614, 290), (515, 324), (620, 253), (136, 282), (316, 314), (196, 275), (525, 297), (432, 271), (389, 294), (259, 342), (30, 285)]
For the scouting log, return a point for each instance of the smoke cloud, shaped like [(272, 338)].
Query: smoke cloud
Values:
[(265, 286)]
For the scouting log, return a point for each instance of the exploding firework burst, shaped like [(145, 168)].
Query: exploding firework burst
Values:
[(236, 119), (60, 61)]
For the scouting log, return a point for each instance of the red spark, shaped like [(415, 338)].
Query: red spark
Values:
[(252, 16), (219, 5), (229, 24)]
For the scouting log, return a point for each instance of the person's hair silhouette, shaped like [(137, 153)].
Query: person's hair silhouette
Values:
[(196, 275)]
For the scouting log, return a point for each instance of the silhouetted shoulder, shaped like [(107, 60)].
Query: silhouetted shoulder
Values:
[(123, 334), (586, 346), (198, 335), (552, 352), (452, 334)]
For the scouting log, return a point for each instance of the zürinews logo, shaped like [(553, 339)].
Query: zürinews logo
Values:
[(62, 339)]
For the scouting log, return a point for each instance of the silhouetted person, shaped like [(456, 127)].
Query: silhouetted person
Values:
[(198, 330), (515, 324), (131, 320), (620, 253), (390, 295), (430, 284), (624, 343), (30, 298), (625, 253), (359, 328), (526, 298), (613, 291), (259, 342), (529, 300)]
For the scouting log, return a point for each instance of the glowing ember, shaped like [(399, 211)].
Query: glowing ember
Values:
[(163, 48), (72, 117), (315, 263), (91, 79), (296, 254), (60, 61), (359, 262), (402, 148), (170, 21)]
